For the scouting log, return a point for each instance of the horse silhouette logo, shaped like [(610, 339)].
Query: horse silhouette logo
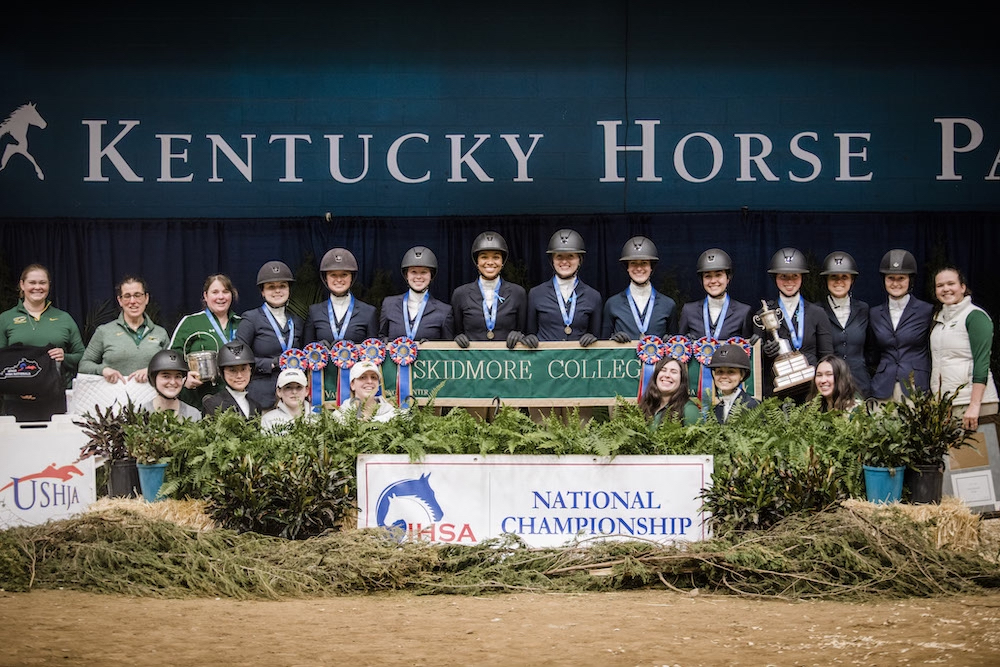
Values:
[(16, 126), (408, 502), (26, 368)]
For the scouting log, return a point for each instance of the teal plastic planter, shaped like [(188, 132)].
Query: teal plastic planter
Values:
[(151, 479), (884, 485)]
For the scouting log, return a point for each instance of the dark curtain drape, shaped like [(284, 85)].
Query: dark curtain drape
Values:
[(88, 256)]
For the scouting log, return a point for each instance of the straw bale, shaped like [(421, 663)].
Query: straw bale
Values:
[(191, 514), (949, 525)]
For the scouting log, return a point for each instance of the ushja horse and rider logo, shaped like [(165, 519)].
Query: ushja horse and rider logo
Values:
[(16, 125)]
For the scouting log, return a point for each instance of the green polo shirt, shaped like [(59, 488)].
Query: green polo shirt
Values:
[(53, 327)]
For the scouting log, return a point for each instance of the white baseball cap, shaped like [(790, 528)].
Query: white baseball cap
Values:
[(290, 375), (362, 367)]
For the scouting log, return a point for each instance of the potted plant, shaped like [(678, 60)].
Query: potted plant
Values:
[(148, 442), (932, 431), (887, 453), (105, 430)]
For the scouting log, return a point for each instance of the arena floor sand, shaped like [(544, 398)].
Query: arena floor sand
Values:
[(648, 627)]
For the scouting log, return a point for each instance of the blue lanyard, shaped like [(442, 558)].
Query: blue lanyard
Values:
[(411, 328), (722, 318), (797, 336), (339, 334), (285, 345), (566, 316), (642, 324), (490, 314), (218, 329)]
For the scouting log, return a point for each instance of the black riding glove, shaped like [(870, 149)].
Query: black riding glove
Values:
[(621, 337), (587, 339), (462, 341), (513, 338), (531, 340)]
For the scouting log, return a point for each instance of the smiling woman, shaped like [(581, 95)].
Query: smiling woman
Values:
[(961, 341), (36, 322), (121, 350)]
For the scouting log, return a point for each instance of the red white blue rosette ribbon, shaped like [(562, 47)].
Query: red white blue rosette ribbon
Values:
[(344, 355), (679, 347), (293, 357), (742, 342), (703, 349), (403, 352), (371, 349), (317, 358), (649, 350)]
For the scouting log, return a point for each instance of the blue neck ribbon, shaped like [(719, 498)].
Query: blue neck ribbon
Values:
[(285, 344)]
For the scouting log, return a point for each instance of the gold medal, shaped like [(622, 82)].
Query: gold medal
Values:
[(568, 329), (490, 335)]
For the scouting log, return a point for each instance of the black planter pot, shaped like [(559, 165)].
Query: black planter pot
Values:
[(123, 479), (924, 483)]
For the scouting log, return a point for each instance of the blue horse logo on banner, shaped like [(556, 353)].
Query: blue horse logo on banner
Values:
[(408, 502)]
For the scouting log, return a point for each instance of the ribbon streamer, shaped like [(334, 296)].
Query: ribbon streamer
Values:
[(403, 352), (703, 350), (649, 350), (317, 357), (344, 355)]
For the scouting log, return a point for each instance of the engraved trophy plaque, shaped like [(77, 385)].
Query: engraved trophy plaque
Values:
[(791, 367)]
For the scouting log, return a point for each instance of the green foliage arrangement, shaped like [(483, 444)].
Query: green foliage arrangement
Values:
[(931, 428), (148, 435), (770, 462)]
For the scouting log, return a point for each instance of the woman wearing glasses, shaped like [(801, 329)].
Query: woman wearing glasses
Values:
[(120, 350)]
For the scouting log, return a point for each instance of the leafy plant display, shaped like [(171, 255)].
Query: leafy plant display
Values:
[(148, 437), (106, 429), (931, 428), (770, 461)]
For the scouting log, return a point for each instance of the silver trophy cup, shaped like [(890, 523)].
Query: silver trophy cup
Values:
[(791, 367)]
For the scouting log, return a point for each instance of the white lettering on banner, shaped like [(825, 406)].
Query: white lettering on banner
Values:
[(681, 168), (545, 500), (166, 157), (590, 369), (392, 159), (290, 140), (959, 135), (96, 154), (338, 176), (805, 156), (458, 159), (520, 155), (747, 157), (647, 148), (949, 147), (846, 155), (245, 168), (457, 369)]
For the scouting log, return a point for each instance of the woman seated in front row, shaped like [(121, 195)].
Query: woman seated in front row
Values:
[(365, 404), (667, 395), (833, 382)]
